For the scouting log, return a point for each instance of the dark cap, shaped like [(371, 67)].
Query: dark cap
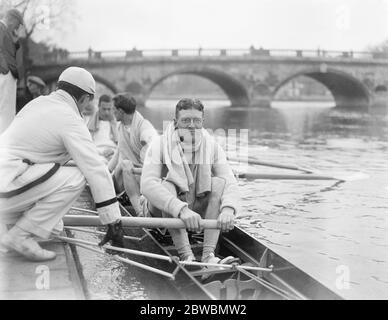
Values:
[(14, 13)]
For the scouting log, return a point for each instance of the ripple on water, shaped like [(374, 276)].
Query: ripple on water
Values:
[(379, 261), (379, 279), (106, 278), (344, 216)]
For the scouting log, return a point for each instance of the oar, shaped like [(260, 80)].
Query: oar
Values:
[(311, 175), (270, 164), (271, 176), (136, 222)]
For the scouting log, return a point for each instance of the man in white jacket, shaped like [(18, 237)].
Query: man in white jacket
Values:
[(9, 44), (36, 189)]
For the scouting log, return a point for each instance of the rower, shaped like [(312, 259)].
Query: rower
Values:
[(103, 128), (186, 175), (36, 190), (134, 136)]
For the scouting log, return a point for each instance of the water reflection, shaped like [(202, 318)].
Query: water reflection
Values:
[(287, 120), (317, 225)]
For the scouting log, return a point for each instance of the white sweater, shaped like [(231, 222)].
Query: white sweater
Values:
[(154, 171)]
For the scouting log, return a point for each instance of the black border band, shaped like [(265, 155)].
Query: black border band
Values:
[(32, 184), (106, 203)]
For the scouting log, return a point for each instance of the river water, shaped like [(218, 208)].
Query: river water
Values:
[(337, 233)]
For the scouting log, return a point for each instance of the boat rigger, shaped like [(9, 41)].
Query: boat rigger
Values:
[(261, 273)]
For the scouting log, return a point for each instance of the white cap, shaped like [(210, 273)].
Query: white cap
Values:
[(80, 78)]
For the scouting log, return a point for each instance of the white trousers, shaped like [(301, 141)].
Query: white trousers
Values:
[(40, 209), (7, 100)]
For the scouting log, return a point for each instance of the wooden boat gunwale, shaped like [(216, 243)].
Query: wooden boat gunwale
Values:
[(252, 248)]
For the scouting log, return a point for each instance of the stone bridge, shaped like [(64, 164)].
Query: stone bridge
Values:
[(248, 77)]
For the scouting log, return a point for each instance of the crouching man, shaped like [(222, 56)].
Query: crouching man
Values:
[(186, 175), (36, 190)]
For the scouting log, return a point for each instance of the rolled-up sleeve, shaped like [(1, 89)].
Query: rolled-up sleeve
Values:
[(79, 145)]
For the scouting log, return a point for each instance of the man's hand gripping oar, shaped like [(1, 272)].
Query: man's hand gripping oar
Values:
[(114, 234)]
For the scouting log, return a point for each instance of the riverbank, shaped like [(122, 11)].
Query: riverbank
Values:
[(50, 280)]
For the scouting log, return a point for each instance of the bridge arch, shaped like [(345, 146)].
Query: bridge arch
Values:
[(348, 91), (233, 89), (53, 78)]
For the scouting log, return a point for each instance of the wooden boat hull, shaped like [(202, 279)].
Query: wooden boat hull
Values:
[(285, 281), (284, 275)]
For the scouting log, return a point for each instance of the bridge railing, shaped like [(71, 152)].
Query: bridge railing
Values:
[(58, 56)]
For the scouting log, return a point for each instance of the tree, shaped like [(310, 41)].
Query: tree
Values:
[(382, 47), (39, 16), (379, 50)]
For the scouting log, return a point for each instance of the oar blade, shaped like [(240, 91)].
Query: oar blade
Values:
[(272, 176)]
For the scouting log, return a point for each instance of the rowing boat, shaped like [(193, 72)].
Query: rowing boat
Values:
[(262, 274)]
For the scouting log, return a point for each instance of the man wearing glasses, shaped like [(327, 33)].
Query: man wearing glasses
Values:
[(186, 175), (36, 189)]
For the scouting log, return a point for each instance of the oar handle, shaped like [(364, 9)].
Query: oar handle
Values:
[(136, 222)]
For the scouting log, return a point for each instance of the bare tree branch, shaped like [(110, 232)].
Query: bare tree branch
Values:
[(22, 3)]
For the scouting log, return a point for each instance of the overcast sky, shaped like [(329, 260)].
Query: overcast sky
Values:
[(305, 24)]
